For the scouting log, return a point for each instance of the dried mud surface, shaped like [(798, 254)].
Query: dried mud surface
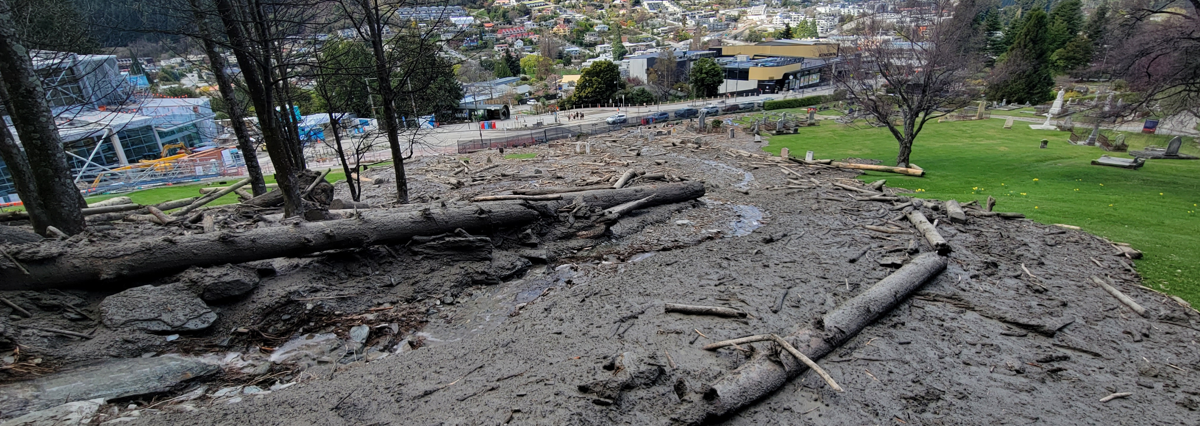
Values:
[(1013, 332)]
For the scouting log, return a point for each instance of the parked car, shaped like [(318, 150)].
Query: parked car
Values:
[(657, 117), (686, 113), (616, 119), (767, 99), (731, 108), (747, 106), (711, 110)]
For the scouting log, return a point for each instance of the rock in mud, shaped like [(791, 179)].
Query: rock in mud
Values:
[(71, 413), (121, 378), (168, 308), (219, 282)]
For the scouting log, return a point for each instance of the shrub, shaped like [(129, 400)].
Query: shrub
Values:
[(794, 103)]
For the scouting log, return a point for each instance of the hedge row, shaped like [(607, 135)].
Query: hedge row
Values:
[(794, 103)]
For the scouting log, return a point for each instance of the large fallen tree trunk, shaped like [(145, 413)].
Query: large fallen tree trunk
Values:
[(71, 265), (901, 170), (762, 375)]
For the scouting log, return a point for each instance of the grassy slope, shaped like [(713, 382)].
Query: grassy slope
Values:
[(1154, 208)]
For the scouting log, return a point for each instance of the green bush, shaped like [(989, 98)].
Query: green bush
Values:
[(794, 103)]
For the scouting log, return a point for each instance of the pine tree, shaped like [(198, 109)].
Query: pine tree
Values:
[(1024, 75), (1065, 22), (787, 32), (1097, 26)]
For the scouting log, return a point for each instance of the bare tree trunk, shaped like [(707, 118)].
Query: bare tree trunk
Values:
[(22, 175), (58, 196), (237, 120), (286, 166), (354, 184), (383, 75)]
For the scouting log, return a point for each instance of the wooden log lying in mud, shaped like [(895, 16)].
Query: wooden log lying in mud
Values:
[(901, 170), (704, 310), (109, 265), (558, 190), (931, 234), (119, 208), (761, 376), (112, 202)]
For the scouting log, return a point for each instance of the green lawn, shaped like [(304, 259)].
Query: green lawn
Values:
[(176, 192), (1154, 208)]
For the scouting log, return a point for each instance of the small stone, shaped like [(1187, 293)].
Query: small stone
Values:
[(234, 400), (281, 386), (227, 391), (219, 282), (251, 390), (360, 333), (172, 337)]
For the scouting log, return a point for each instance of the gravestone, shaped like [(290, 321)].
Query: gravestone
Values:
[(731, 133), (812, 114), (1044, 143), (1173, 146), (1056, 108), (808, 156), (1171, 153), (785, 153), (1008, 123)]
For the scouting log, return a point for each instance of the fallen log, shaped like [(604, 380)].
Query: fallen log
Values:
[(558, 190), (1005, 215), (931, 234), (851, 188), (955, 212), (111, 202), (210, 198), (901, 170), (110, 265), (1119, 295), (629, 174), (614, 213), (786, 346), (517, 197), (703, 310), (761, 376)]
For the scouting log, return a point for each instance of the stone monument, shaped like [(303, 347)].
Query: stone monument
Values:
[(1171, 153), (1056, 108), (1044, 126)]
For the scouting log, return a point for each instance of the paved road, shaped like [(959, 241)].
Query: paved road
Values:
[(444, 140)]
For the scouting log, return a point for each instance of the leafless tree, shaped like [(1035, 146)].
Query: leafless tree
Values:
[(398, 59), (51, 198), (1158, 52), (260, 32), (918, 74), (203, 15)]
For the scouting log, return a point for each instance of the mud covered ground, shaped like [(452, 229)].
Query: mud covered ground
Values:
[(573, 331)]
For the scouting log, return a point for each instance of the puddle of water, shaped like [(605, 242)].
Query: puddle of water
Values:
[(747, 177), (749, 219)]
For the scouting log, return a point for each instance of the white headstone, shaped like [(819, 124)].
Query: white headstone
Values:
[(785, 153), (1058, 102), (808, 156)]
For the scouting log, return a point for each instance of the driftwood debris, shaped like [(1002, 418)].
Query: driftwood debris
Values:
[(1119, 295), (787, 347), (517, 197), (111, 202), (211, 197), (1003, 215), (761, 376), (703, 310), (955, 212), (82, 265), (1111, 397), (901, 170), (927, 230), (629, 174), (558, 190), (856, 189)]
